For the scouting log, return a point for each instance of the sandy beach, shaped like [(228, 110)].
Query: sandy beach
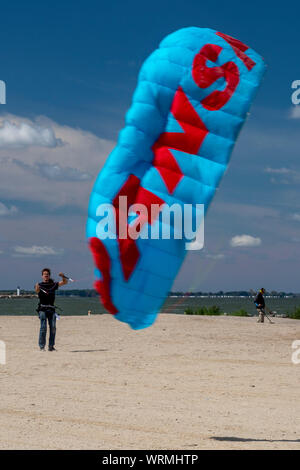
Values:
[(187, 383)]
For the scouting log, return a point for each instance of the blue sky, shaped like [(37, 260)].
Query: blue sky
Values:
[(71, 68)]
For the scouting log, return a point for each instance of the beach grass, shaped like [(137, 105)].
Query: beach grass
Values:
[(295, 314), (213, 310)]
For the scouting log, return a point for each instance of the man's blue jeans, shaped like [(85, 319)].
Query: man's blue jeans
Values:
[(43, 330)]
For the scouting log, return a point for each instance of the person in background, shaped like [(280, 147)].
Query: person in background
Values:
[(46, 309), (260, 305)]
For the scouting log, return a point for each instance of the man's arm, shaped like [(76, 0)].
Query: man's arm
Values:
[(63, 281), (37, 288)]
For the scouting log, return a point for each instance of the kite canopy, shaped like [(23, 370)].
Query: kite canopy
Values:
[(191, 100)]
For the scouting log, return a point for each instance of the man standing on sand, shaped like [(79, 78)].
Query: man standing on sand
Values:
[(46, 292), (260, 305)]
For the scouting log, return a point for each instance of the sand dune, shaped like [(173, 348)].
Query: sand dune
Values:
[(185, 383)]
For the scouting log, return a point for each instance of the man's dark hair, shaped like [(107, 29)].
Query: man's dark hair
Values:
[(48, 271)]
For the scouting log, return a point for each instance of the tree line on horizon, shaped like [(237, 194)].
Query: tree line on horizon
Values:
[(93, 293)]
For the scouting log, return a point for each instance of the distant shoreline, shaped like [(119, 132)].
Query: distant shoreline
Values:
[(35, 296), (15, 296), (89, 293)]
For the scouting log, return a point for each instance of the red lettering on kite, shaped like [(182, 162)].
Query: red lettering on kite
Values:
[(188, 141), (205, 76), (239, 48)]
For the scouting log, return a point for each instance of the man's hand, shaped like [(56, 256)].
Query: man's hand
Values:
[(37, 288), (64, 279)]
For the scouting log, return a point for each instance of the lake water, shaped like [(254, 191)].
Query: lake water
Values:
[(81, 305)]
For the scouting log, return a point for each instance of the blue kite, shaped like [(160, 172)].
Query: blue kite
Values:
[(192, 98)]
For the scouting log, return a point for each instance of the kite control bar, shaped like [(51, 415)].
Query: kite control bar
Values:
[(66, 277)]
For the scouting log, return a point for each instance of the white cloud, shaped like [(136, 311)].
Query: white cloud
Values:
[(295, 112), (244, 241), (283, 175), (54, 172), (37, 251), (296, 217), (70, 168), (5, 210), (279, 171), (215, 257), (23, 134)]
